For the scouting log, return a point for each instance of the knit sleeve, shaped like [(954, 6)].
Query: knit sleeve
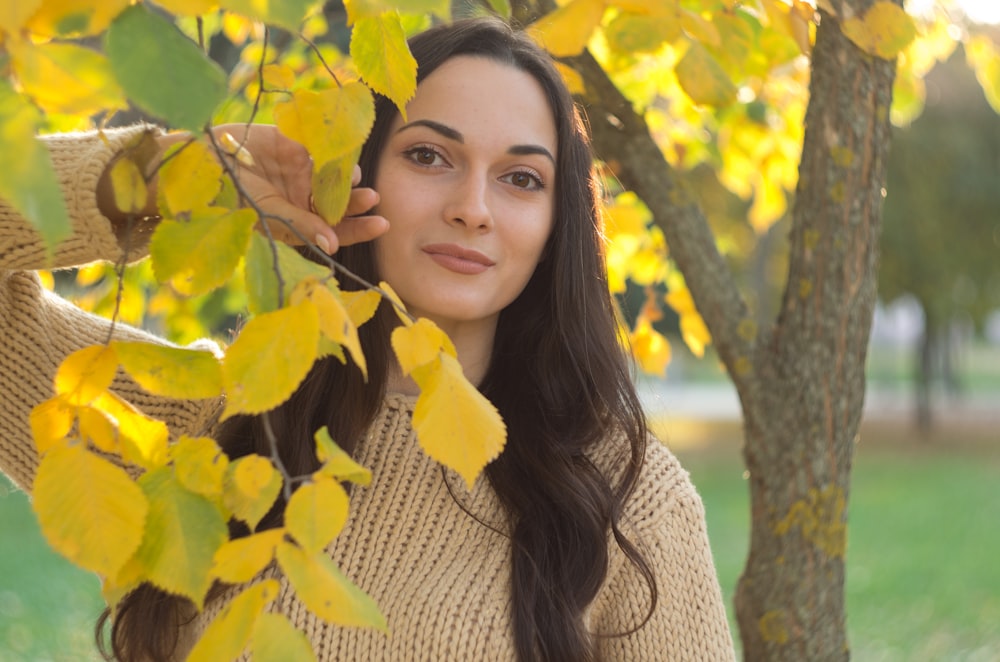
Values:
[(78, 159), (38, 329), (688, 623)]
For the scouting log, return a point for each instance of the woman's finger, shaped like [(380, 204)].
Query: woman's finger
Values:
[(361, 200), (357, 229)]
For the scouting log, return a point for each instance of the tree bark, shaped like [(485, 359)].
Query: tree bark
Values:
[(803, 407)]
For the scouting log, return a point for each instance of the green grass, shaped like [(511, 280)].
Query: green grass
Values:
[(923, 580)]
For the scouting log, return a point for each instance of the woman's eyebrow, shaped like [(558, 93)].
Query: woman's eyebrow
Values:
[(452, 134), (443, 129)]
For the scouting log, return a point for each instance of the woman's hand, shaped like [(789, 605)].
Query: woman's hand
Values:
[(279, 183), (278, 180)]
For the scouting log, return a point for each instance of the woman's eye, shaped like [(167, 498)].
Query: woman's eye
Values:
[(423, 156), (525, 180)]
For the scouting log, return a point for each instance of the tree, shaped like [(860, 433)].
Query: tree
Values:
[(668, 85), (940, 222)]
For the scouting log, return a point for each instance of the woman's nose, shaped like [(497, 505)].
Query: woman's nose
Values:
[(469, 203)]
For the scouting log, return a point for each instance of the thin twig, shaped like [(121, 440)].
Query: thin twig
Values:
[(272, 440), (322, 61)]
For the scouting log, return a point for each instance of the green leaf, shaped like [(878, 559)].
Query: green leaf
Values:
[(383, 58), (183, 532), (199, 255), (331, 184), (171, 371), (325, 591), (275, 639), (262, 282), (636, 33), (287, 14), (89, 510), (172, 79), (28, 183), (501, 7), (703, 79)]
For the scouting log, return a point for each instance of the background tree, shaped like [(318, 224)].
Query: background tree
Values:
[(941, 242)]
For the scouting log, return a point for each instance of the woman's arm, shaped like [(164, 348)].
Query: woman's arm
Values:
[(688, 624), (38, 329)]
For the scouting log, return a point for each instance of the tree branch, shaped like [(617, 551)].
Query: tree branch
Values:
[(622, 137)]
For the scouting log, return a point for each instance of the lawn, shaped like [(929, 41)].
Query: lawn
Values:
[(923, 577)]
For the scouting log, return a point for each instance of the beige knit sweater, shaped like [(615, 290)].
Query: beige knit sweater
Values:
[(440, 577)]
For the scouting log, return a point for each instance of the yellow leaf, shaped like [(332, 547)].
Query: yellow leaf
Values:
[(74, 17), (96, 427), (358, 9), (566, 30), (626, 216), (455, 423), (419, 344), (382, 56), (695, 333), (114, 588), (143, 440), (700, 28), (189, 7), (637, 33), (13, 15), (227, 635), (336, 462), (334, 321), (703, 78), (326, 592), (361, 305), (66, 78), (250, 488), (769, 205), (84, 503), (331, 185), (128, 186), (572, 78), (330, 124), (183, 532), (200, 465), (190, 178), (275, 639), (316, 513), (51, 420), (86, 373), (171, 371), (885, 30), (984, 59), (649, 348), (397, 303), (269, 360), (240, 560), (679, 298), (278, 76)]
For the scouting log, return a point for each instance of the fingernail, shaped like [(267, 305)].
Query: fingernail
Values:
[(323, 243)]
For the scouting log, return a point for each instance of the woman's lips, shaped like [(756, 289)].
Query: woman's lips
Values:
[(457, 259)]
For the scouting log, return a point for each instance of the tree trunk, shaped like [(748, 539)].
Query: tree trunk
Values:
[(803, 405)]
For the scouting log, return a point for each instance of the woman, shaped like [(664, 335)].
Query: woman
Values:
[(586, 541)]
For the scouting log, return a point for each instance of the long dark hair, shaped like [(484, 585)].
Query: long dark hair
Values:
[(558, 376)]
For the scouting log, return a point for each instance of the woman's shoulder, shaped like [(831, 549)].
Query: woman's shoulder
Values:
[(662, 486)]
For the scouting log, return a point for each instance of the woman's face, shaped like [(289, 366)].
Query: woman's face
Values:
[(467, 183)]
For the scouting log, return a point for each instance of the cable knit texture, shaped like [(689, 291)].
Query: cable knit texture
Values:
[(440, 576)]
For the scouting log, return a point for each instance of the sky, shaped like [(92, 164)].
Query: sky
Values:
[(980, 11)]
